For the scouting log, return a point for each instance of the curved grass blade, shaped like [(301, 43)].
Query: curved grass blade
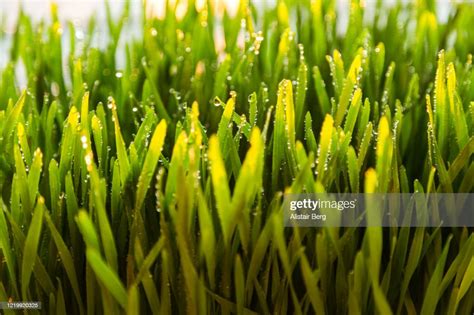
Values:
[(239, 285), (321, 92), (31, 247), (384, 152), (466, 282), (35, 173), (248, 184), (149, 166), (353, 111), (311, 279), (98, 198), (224, 130), (122, 155), (6, 247), (431, 297), (22, 180), (23, 141), (324, 147), (457, 112), (279, 137), (221, 188), (11, 118), (301, 88), (67, 261), (87, 230), (107, 277), (309, 134), (353, 169), (160, 107), (148, 283)]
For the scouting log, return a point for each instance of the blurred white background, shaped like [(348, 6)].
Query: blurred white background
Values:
[(80, 11)]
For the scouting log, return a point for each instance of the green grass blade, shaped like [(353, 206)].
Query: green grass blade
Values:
[(353, 111), (107, 277), (309, 134), (466, 282), (35, 173), (301, 88), (23, 141), (67, 260), (122, 155), (321, 92), (353, 169), (324, 147), (12, 118), (6, 247), (221, 188), (26, 202), (88, 230), (31, 247), (149, 166), (384, 154), (431, 297)]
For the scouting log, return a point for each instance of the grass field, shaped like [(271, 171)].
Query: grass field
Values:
[(157, 187)]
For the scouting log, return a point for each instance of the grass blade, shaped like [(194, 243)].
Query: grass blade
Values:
[(107, 277), (31, 247)]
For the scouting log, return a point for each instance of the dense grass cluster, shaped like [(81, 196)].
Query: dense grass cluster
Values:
[(158, 187)]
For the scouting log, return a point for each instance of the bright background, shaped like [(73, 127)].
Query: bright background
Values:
[(80, 11)]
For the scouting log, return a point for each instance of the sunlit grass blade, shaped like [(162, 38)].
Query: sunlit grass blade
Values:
[(384, 154), (23, 141), (324, 146), (353, 111), (309, 134), (26, 200), (246, 187), (221, 190), (122, 155), (279, 137), (8, 126), (149, 165), (301, 93)]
